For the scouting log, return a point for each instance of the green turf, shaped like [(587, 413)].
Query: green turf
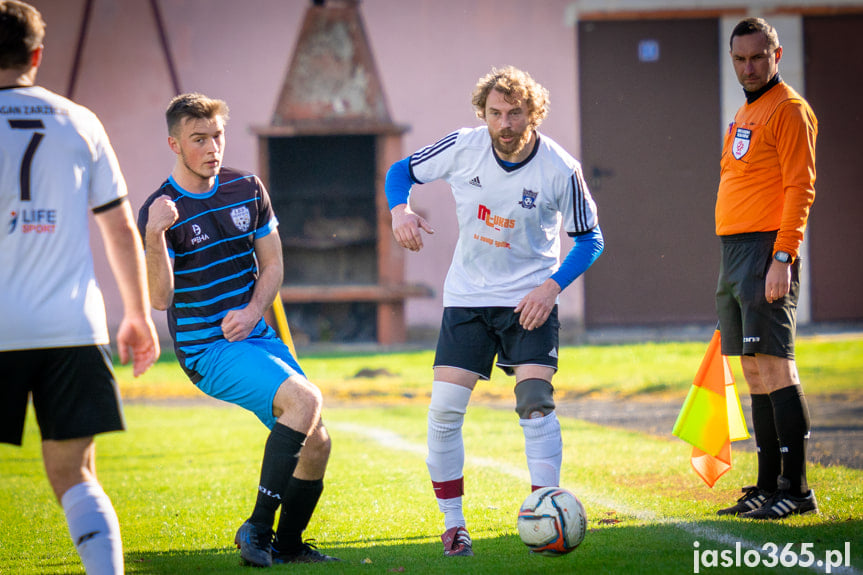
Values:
[(184, 475), (828, 366), (183, 478)]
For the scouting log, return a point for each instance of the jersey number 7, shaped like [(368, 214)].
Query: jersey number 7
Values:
[(27, 160)]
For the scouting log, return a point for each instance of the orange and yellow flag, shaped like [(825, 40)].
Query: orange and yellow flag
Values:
[(711, 417)]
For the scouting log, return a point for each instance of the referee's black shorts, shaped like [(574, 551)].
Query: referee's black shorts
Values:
[(73, 388), (470, 337), (748, 323)]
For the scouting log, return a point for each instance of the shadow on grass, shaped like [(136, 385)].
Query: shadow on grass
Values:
[(644, 549)]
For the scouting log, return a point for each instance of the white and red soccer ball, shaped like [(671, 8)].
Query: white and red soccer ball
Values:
[(552, 521)]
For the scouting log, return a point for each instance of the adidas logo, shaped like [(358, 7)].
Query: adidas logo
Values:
[(553, 353), (475, 182)]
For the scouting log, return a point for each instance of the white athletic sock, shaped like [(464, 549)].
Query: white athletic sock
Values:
[(453, 515), (445, 418), (543, 446), (94, 528), (445, 459)]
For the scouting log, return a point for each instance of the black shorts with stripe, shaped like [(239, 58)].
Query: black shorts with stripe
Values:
[(749, 324), (73, 388), (471, 337)]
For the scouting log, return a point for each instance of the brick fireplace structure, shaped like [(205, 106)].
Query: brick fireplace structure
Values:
[(324, 159)]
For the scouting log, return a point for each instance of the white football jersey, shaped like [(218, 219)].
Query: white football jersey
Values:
[(509, 217), (56, 164)]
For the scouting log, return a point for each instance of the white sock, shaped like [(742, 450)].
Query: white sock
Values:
[(94, 528), (445, 418), (543, 446), (445, 459), (453, 515)]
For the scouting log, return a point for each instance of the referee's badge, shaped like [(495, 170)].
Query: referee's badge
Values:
[(528, 199), (241, 218), (741, 143)]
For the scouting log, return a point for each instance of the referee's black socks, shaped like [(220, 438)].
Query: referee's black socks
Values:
[(791, 416), (766, 441)]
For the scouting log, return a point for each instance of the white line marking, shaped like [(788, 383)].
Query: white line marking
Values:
[(393, 440)]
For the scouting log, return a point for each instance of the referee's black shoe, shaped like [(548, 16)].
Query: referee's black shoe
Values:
[(783, 504), (753, 498)]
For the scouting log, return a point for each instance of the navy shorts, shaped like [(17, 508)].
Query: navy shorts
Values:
[(73, 388), (471, 337), (749, 324)]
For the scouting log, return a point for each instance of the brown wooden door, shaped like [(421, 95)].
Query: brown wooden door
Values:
[(834, 51), (651, 141)]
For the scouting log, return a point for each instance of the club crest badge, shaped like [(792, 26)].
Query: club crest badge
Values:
[(741, 143), (241, 218), (528, 199)]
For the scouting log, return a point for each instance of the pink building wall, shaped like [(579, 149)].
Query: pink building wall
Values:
[(429, 54)]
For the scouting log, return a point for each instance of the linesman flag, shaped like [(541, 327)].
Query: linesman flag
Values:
[(711, 417)]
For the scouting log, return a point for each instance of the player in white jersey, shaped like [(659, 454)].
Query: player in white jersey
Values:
[(56, 166), (515, 190)]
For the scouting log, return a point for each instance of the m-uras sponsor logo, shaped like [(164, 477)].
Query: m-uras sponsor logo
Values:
[(493, 221)]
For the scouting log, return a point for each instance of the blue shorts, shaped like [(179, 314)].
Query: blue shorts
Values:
[(247, 373)]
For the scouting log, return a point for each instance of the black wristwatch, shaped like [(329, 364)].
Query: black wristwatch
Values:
[(783, 257)]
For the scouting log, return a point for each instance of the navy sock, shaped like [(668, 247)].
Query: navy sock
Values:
[(280, 459), (791, 415), (767, 442), (300, 499)]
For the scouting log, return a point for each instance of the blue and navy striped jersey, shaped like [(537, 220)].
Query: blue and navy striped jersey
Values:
[(212, 247)]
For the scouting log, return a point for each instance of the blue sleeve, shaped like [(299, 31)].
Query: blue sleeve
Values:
[(267, 229), (398, 183), (587, 248)]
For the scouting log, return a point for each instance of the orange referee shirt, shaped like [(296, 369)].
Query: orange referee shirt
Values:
[(768, 169)]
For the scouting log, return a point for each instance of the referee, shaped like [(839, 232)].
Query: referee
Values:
[(765, 192)]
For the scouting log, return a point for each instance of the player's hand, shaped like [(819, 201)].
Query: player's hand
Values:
[(137, 338), (535, 307), (239, 323), (162, 214), (778, 281), (406, 228)]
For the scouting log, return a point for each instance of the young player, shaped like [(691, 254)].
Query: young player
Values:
[(215, 262), (57, 165), (514, 190), (766, 189)]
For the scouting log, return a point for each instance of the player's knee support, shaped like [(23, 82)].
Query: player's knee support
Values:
[(448, 403), (534, 398)]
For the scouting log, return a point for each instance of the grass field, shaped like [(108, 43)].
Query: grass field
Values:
[(827, 365), (183, 478)]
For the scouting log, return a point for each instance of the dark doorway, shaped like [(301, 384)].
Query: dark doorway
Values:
[(323, 193), (651, 142), (834, 50)]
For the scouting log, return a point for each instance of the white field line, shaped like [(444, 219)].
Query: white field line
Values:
[(393, 440)]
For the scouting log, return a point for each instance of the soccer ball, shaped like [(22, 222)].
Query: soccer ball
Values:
[(552, 521)]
